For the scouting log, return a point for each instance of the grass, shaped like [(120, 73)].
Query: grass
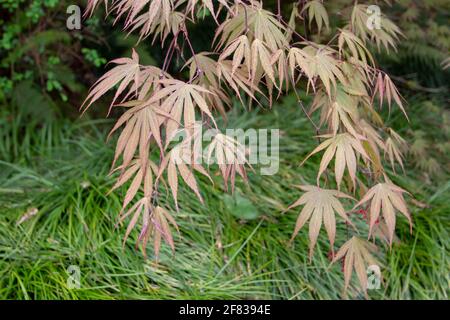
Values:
[(61, 169)]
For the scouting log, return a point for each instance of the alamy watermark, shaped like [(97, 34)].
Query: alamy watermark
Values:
[(236, 146), (373, 277), (74, 277), (73, 22), (374, 17)]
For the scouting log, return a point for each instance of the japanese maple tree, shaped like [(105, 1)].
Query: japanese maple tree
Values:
[(257, 56)]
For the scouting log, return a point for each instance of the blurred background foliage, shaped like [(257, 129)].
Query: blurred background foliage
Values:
[(45, 68)]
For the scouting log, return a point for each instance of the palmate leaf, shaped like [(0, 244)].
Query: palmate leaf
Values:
[(156, 222), (387, 90), (355, 45), (254, 57), (237, 81), (359, 77), (203, 69), (230, 156), (181, 161), (279, 62), (380, 231), (372, 146), (345, 148), (387, 35), (158, 226), (143, 172), (160, 18), (158, 11), (371, 135), (130, 9), (395, 145), (292, 23), (215, 74), (319, 205), (317, 12), (358, 255), (208, 78), (148, 82), (340, 112), (317, 62), (193, 5), (241, 50), (178, 99), (261, 61), (385, 198), (142, 124), (254, 21), (126, 72)]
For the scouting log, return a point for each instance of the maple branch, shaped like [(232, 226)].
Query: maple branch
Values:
[(194, 55), (169, 55), (279, 10)]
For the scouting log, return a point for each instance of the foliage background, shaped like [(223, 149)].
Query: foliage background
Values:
[(53, 161)]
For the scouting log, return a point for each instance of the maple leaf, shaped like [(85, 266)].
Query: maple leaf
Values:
[(193, 4), (142, 123), (386, 35), (372, 146), (386, 198), (149, 77), (160, 18), (357, 254), (180, 98), (230, 156), (371, 134), (209, 79), (395, 145), (126, 71), (158, 224), (240, 48), (317, 12), (143, 171), (255, 57), (279, 59), (381, 232), (359, 77), (261, 62), (263, 26), (177, 163), (319, 205), (339, 112), (315, 62), (355, 45), (292, 23), (207, 66), (254, 51), (386, 89), (237, 81), (343, 147), (155, 221)]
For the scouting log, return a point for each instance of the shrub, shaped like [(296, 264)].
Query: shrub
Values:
[(259, 53)]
